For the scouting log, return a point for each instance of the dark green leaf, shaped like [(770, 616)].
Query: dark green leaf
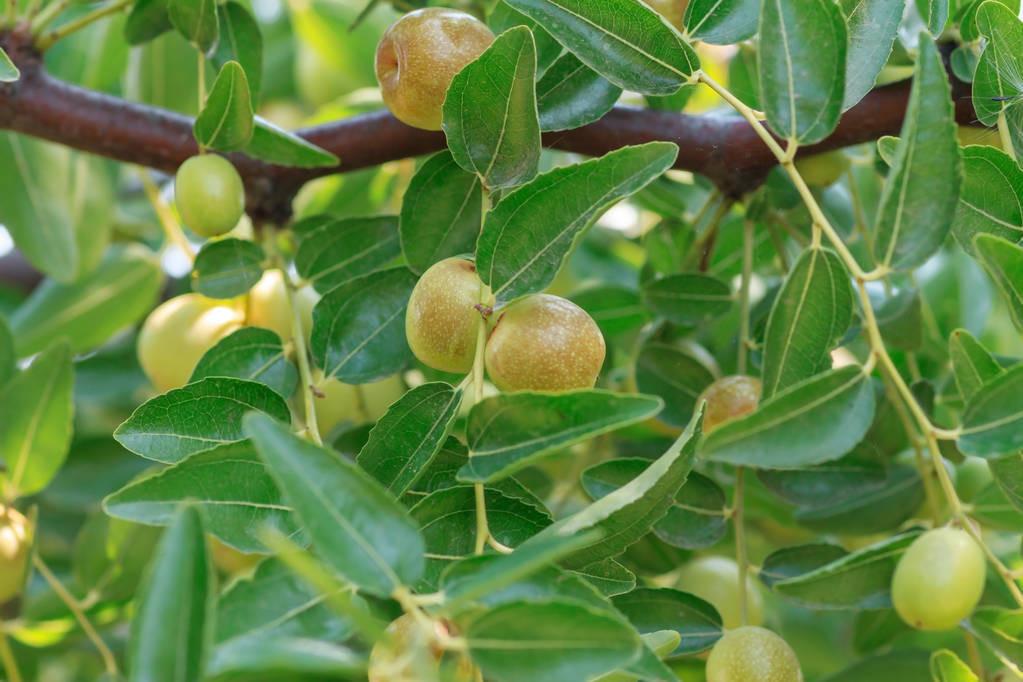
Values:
[(251, 354), (241, 40), (905, 665), (274, 145), (341, 250), (284, 657), (148, 19), (675, 373), (688, 298), (226, 120), (353, 522), (989, 201), (883, 507), (996, 81), (1008, 473), (873, 26), (972, 364), (934, 14), (992, 424), (615, 309), (197, 21), (608, 576), (651, 610), (8, 358), (490, 116), (1004, 262), (722, 22), (571, 94), (9, 73), (503, 17), (227, 268)]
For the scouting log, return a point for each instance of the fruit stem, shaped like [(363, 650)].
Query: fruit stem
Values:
[(973, 653), (63, 31), (744, 296), (171, 227), (47, 15), (109, 662), (482, 525), (202, 87), (7, 656), (741, 558)]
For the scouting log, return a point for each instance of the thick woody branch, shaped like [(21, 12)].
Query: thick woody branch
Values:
[(722, 147)]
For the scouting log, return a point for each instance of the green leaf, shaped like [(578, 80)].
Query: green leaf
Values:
[(814, 421), (676, 373), (881, 508), (226, 120), (825, 577), (197, 21), (341, 250), (652, 610), (1008, 474), (873, 26), (502, 17), (997, 506), (241, 40), (629, 513), (490, 116), (802, 70), (624, 41), (809, 317), (173, 616), (934, 14), (946, 667), (250, 354), (275, 145), (229, 484), (992, 424), (996, 82), (722, 22), (1000, 629), (852, 476), (920, 194), (405, 440), (196, 418), (91, 310), (441, 213), (35, 422), (1003, 260), (227, 268), (972, 364), (615, 309), (571, 94), (989, 201), (967, 18), (8, 358), (9, 73), (355, 525), (549, 641), (688, 298), (284, 657), (511, 431), (527, 236), (905, 665), (608, 576), (111, 556), (359, 327), (148, 19)]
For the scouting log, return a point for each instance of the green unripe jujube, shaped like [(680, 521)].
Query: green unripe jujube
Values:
[(822, 170), (15, 547), (939, 579), (729, 398), (209, 195), (715, 579), (753, 654), (544, 343), (442, 322), (971, 477)]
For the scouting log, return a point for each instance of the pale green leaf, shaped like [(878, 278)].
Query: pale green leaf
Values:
[(1003, 260)]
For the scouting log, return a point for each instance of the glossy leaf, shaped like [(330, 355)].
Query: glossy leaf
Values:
[(9, 73), (441, 213), (226, 120), (615, 309), (873, 26), (147, 19), (355, 525), (802, 72), (687, 298), (989, 201), (341, 250), (241, 40), (275, 145), (651, 610), (677, 374), (527, 236), (490, 116), (624, 41), (814, 421), (197, 21), (992, 424), (947, 667), (508, 432), (571, 94), (198, 417), (972, 364), (722, 22), (996, 81), (227, 268), (250, 354), (1003, 260), (405, 440), (883, 507)]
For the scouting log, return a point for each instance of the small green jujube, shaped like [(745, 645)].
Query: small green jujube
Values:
[(753, 654), (209, 195)]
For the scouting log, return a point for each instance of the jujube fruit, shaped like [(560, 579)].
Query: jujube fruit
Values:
[(268, 306), (408, 654), (442, 322), (939, 580), (209, 195), (339, 402), (729, 398), (752, 654), (971, 477), (178, 333), (544, 343), (15, 548), (420, 54), (715, 579), (822, 170)]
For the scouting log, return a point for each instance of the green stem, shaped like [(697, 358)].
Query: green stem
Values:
[(171, 227), (696, 251), (63, 31), (7, 656), (47, 15), (482, 524), (741, 558), (744, 296), (11, 17)]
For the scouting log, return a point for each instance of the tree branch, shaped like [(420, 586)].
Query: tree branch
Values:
[(721, 147)]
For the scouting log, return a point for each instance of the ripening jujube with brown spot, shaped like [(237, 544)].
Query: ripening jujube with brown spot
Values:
[(409, 653), (15, 548), (729, 398), (420, 54), (544, 343), (753, 654), (442, 321)]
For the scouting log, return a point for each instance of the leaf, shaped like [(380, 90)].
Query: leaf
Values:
[(676, 374), (196, 418), (624, 41), (147, 19), (906, 665), (1008, 474), (882, 508), (35, 422), (972, 364), (275, 145), (359, 327), (571, 95), (919, 199), (809, 317), (91, 310), (502, 17), (197, 21), (873, 26), (511, 431), (992, 424), (652, 610), (253, 658), (817, 420), (722, 22), (490, 116), (989, 200), (441, 213), (241, 40), (229, 485), (1003, 260), (615, 309), (250, 354), (608, 576), (688, 298), (1000, 629), (226, 120), (341, 250), (527, 236), (227, 268), (802, 71), (996, 80), (355, 525), (934, 14), (946, 667), (8, 358), (631, 511), (173, 617), (9, 73), (405, 440), (853, 476), (549, 641)]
